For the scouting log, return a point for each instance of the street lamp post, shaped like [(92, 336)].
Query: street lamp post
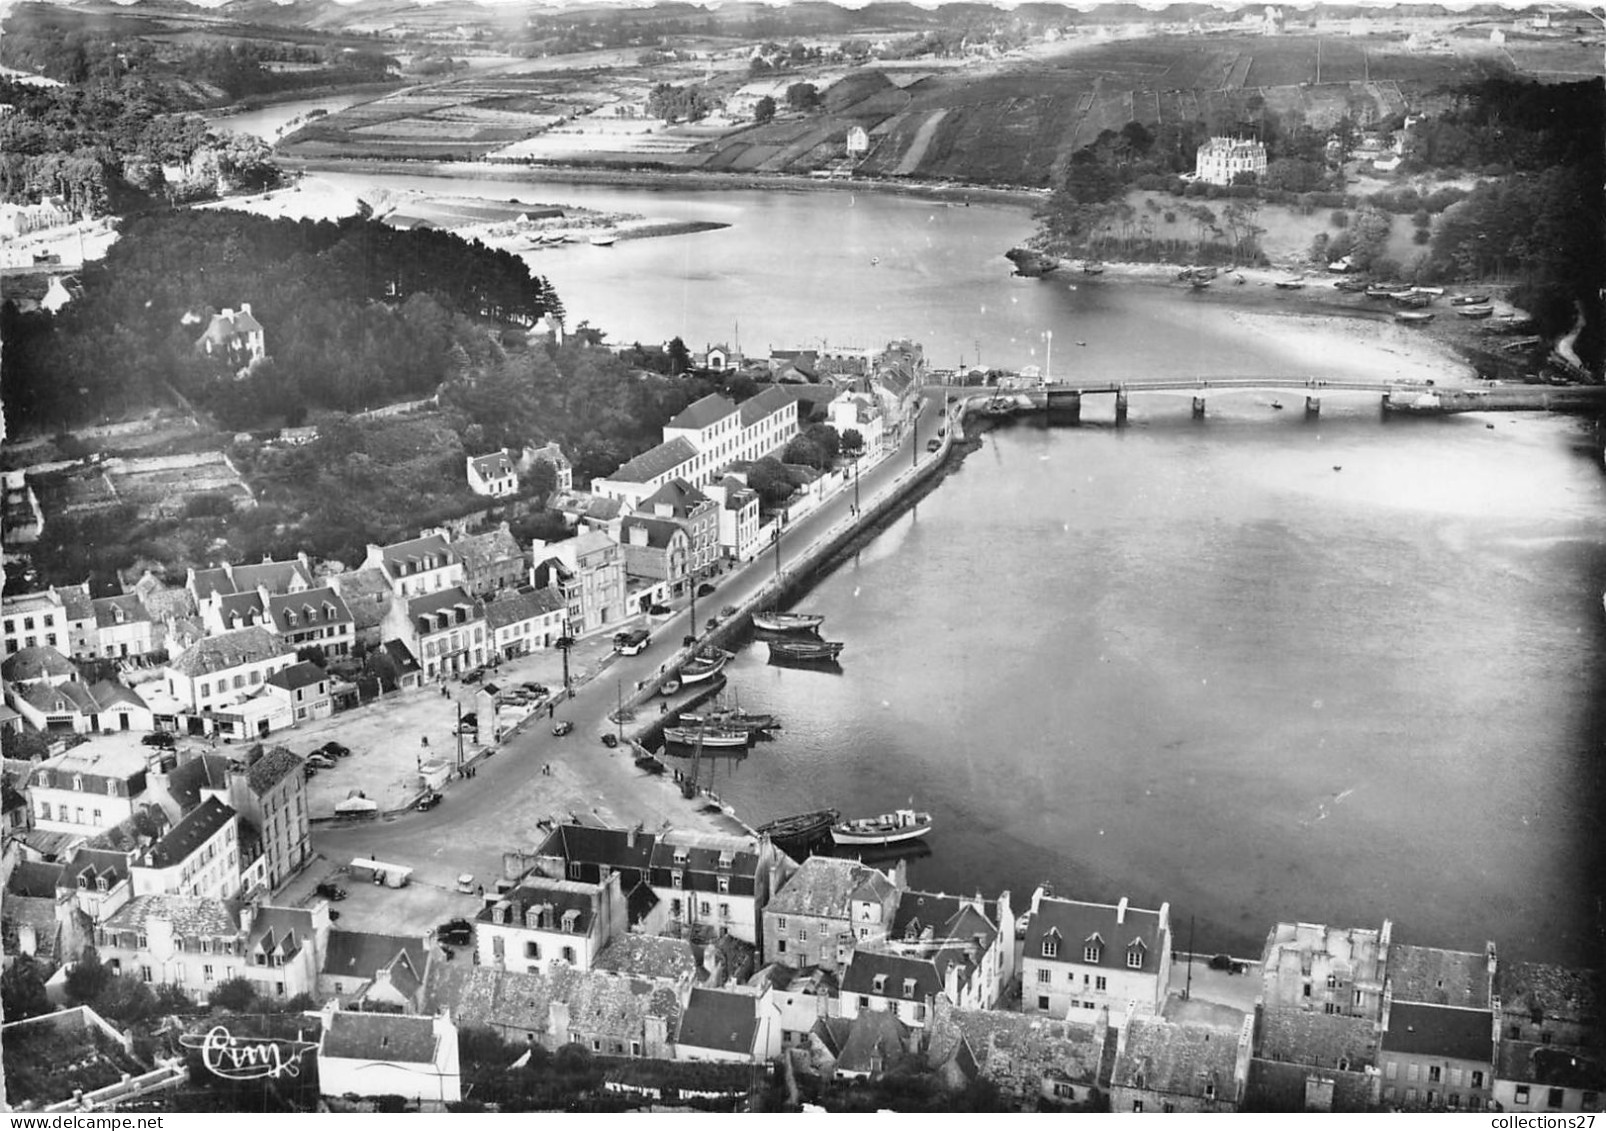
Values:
[(566, 642), (777, 541), (855, 484)]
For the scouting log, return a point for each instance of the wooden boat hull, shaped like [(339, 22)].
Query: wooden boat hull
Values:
[(1411, 319), (804, 828), (1475, 312), (700, 670), (711, 739), (846, 834), (815, 652), (788, 622)]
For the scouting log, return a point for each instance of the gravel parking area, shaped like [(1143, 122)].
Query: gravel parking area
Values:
[(392, 736)]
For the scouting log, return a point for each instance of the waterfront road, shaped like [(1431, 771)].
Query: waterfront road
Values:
[(500, 806)]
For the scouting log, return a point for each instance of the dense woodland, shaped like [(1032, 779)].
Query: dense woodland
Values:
[(357, 314)]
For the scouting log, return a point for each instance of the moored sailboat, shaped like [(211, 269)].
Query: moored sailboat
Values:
[(888, 828)]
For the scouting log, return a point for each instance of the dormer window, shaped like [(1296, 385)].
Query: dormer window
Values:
[(908, 987), (724, 884), (571, 921), (1134, 958), (1091, 952), (83, 881), (1210, 1089), (290, 617), (682, 857), (111, 789), (100, 883), (1051, 948), (880, 983), (78, 783)]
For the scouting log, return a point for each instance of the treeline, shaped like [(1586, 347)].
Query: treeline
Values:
[(673, 103), (79, 49), (355, 313), (1505, 125)]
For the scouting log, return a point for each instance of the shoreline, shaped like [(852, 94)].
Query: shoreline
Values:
[(659, 178)]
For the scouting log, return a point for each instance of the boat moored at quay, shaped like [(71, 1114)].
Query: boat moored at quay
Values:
[(711, 737), (888, 828), (788, 622), (806, 651)]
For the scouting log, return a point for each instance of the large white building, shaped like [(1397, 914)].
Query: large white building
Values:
[(1220, 159), (86, 790), (1079, 958)]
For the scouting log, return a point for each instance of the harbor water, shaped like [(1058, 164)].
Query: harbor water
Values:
[(1257, 666)]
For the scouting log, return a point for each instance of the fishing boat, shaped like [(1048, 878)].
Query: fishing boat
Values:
[(1200, 284), (889, 828), (733, 718), (1092, 267), (712, 738), (788, 622), (1414, 317), (704, 666), (808, 651), (1351, 285), (803, 829), (1276, 404), (1381, 292), (1475, 311), (1412, 298), (1469, 300), (1288, 284), (603, 241)]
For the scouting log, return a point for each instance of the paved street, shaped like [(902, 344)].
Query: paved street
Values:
[(500, 806)]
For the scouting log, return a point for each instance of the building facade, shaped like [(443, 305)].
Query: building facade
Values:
[(1080, 957)]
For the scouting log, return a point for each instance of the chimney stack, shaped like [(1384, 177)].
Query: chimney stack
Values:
[(1120, 911)]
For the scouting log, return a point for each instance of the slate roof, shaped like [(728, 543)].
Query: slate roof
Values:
[(558, 897), (944, 916), (108, 693), (1556, 992), (1319, 1039), (31, 911), (660, 531), (444, 601), (903, 977), (702, 852), (284, 930), (1177, 1060), (655, 461), (494, 465), (379, 1036), (36, 663), (873, 1035), (34, 880), (75, 599), (1435, 976), (278, 577), (191, 916), (600, 1004), (649, 956), (821, 886), (399, 557), (209, 581), (304, 674), (599, 846), (514, 607), (162, 601), (200, 825), (1440, 1030), (1552, 1066), (1007, 1045), (482, 551), (186, 780), (270, 769), (681, 497), (229, 650), (1077, 924), (1276, 1086), (718, 1019), (57, 699), (703, 412), (767, 402), (309, 608), (107, 608)]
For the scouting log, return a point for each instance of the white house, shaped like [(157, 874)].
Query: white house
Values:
[(445, 630), (199, 856), (219, 679), (493, 475), (728, 1026), (1220, 159), (520, 623), (421, 565), (858, 141), (86, 789), (544, 922), (1081, 957), (388, 1054)]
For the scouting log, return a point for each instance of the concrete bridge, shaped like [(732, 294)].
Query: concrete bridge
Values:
[(1064, 398)]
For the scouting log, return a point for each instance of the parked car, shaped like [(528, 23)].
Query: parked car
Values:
[(455, 932), (562, 727), (331, 891), (161, 738), (429, 801), (334, 750), (632, 642), (536, 688), (307, 771), (474, 676), (610, 740), (706, 589), (470, 721), (322, 761), (933, 445)]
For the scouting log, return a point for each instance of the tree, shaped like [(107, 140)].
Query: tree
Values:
[(770, 480), (803, 450), (235, 995), (679, 357), (22, 990), (87, 978), (540, 481), (764, 110), (852, 442), (125, 999), (802, 96)]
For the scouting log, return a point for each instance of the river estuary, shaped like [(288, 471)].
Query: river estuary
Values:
[(1258, 666)]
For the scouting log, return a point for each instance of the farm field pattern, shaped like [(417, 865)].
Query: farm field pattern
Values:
[(1007, 123)]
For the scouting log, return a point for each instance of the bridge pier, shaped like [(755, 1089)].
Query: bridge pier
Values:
[(1386, 403), (1313, 406), (1198, 408), (1120, 407), (1065, 406)]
